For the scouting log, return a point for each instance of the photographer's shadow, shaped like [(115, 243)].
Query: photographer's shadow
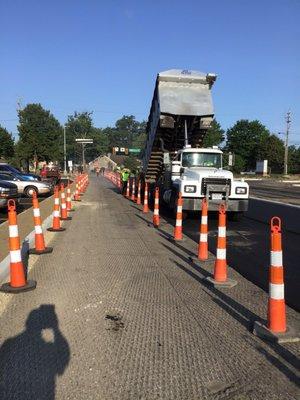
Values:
[(30, 361)]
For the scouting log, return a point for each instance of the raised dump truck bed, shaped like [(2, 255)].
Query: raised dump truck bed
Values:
[(180, 97)]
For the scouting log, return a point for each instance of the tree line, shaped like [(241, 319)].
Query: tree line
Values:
[(41, 139)]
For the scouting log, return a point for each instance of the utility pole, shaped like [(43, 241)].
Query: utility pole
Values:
[(84, 142), (65, 152), (83, 156), (286, 147)]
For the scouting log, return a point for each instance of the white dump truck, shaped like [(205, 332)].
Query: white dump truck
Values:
[(174, 159)]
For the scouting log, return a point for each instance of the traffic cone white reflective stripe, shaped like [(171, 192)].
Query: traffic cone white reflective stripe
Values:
[(203, 245), (156, 218), (69, 200), (63, 209), (77, 195), (220, 278), (276, 329), (128, 189), (40, 247), (133, 190), (178, 223), (146, 207), (138, 200), (18, 282), (220, 270), (56, 220), (276, 303)]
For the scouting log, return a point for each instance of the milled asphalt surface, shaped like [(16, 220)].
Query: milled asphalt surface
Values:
[(248, 247), (120, 313)]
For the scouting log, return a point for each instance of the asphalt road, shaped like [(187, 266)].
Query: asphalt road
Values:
[(248, 249), (276, 191)]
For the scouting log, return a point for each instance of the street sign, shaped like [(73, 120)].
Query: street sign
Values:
[(231, 159), (70, 163), (120, 151), (84, 141), (134, 151)]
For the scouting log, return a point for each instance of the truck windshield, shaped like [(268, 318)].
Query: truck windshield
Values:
[(212, 160)]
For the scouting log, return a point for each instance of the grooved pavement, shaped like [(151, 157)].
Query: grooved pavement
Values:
[(120, 313)]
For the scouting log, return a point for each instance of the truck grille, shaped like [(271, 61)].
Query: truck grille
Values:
[(220, 184)]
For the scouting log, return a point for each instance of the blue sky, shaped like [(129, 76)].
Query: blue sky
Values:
[(103, 56)]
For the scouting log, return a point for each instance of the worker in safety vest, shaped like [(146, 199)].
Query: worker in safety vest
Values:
[(124, 177)]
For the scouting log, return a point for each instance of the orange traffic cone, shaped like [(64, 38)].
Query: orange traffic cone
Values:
[(18, 282), (77, 195), (146, 207), (63, 205), (178, 223), (276, 304), (128, 189), (69, 199), (276, 329), (220, 269), (156, 218), (133, 190), (56, 220), (138, 199), (40, 247), (203, 254)]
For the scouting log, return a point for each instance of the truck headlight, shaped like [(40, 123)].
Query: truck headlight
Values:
[(190, 189), (240, 190)]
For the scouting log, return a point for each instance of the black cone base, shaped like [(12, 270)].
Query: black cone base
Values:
[(66, 219), (76, 200), (38, 252), (196, 260), (229, 283), (56, 230), (6, 288), (171, 239)]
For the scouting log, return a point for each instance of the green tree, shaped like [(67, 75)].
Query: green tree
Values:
[(247, 140), (239, 164), (101, 143), (40, 135), (127, 132), (78, 126), (131, 163), (294, 160), (214, 136), (272, 150), (139, 141), (6, 144)]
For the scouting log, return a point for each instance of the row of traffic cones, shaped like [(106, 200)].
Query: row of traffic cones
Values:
[(18, 281), (276, 328)]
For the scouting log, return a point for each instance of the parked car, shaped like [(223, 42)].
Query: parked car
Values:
[(25, 185), (8, 191), (4, 167)]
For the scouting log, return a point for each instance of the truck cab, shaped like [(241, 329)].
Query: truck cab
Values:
[(199, 173)]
